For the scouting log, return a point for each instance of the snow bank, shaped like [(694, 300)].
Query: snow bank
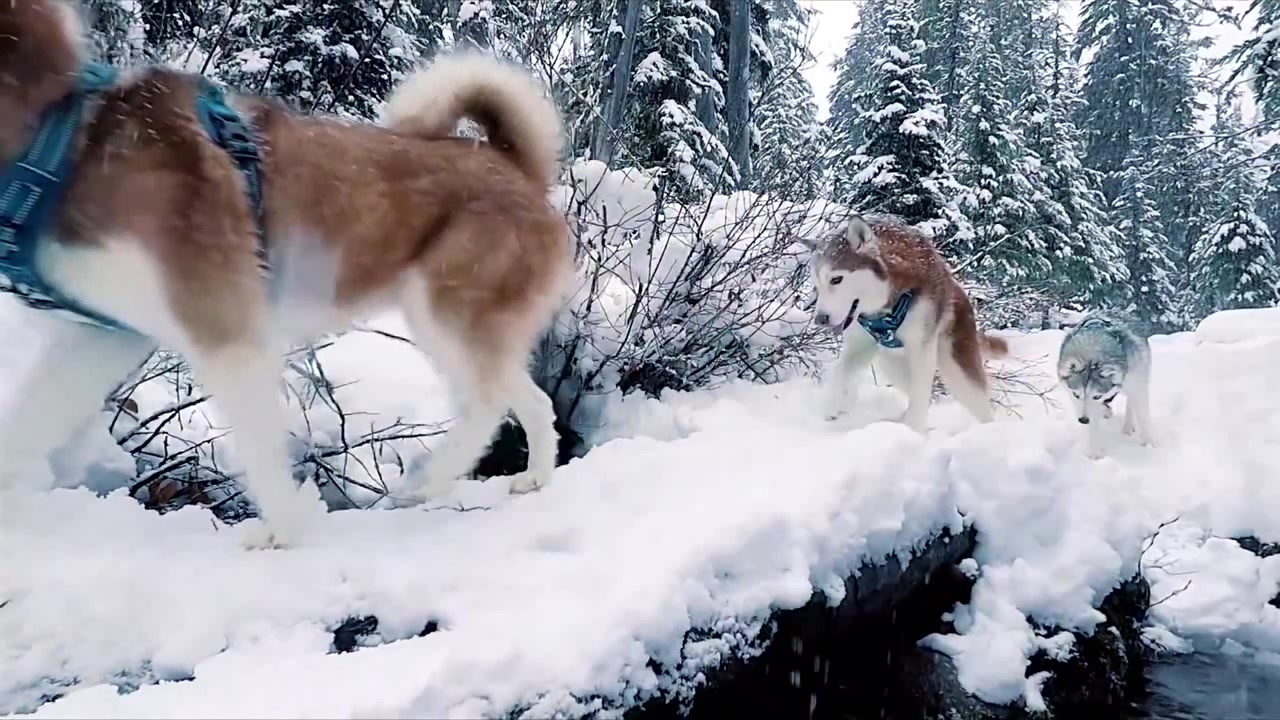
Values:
[(705, 510), (546, 600), (1231, 326)]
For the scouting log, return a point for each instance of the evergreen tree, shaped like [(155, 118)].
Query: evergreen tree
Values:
[(1269, 202), (1139, 85), (1151, 273), (853, 81), (583, 86), (117, 30), (1260, 55), (789, 154), (1234, 263), (1082, 244), (1001, 198), (664, 128), (903, 162), (339, 56), (949, 30), (1140, 93)]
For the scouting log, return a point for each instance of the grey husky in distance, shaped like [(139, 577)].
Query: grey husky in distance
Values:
[(1101, 357)]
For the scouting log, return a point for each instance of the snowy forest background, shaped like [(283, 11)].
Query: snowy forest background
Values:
[(1056, 164), (1045, 162)]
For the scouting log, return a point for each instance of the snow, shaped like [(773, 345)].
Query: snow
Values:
[(544, 600), (704, 509), (1233, 326)]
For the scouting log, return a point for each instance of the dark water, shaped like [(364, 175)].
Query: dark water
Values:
[(1204, 686)]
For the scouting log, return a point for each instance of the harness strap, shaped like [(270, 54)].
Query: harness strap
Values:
[(32, 188), (226, 128), (884, 327)]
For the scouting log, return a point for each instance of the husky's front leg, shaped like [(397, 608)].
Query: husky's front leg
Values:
[(840, 390), (73, 372), (1137, 412), (1096, 439), (922, 364)]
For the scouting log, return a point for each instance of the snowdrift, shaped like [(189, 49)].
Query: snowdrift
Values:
[(705, 510)]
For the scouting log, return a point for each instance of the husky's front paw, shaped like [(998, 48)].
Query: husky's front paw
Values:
[(285, 525), (527, 482), (834, 406), (258, 535)]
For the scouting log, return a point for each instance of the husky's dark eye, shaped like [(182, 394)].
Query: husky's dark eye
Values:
[(1097, 397), (837, 279)]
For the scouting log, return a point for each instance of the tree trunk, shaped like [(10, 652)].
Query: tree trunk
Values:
[(738, 95), (704, 55), (615, 95)]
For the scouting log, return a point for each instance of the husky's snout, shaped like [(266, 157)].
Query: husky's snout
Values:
[(1084, 420)]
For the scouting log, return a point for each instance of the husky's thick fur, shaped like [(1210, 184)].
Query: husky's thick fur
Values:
[(1100, 358), (863, 271), (157, 233)]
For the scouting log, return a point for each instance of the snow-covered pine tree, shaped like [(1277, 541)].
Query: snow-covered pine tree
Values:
[(1001, 197), (1140, 93), (473, 23), (338, 56), (1081, 242), (948, 28), (1259, 55), (602, 55), (117, 29), (1233, 264), (845, 130), (1152, 295), (1269, 202), (788, 159), (663, 129), (1026, 32), (1138, 85), (903, 162), (741, 26)]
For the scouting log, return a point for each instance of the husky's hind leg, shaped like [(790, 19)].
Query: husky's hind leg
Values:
[(533, 409), (960, 364), (480, 396), (923, 363), (75, 369)]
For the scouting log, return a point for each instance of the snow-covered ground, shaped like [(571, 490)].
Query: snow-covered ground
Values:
[(704, 510)]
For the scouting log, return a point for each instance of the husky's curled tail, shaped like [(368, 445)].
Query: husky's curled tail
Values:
[(502, 98)]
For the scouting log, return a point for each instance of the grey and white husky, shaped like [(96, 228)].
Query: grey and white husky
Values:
[(1099, 358)]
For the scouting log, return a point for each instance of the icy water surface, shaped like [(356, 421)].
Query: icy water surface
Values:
[(1204, 686)]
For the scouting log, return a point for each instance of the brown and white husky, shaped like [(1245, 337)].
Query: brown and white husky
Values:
[(862, 274), (157, 232)]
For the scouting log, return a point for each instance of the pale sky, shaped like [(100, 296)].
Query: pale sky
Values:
[(837, 16)]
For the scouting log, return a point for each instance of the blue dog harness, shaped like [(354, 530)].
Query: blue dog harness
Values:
[(35, 184), (883, 327)]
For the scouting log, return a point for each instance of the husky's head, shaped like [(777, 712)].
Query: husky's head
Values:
[(1093, 386), (849, 276)]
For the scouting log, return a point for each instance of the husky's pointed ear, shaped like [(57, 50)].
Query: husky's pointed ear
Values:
[(860, 235)]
